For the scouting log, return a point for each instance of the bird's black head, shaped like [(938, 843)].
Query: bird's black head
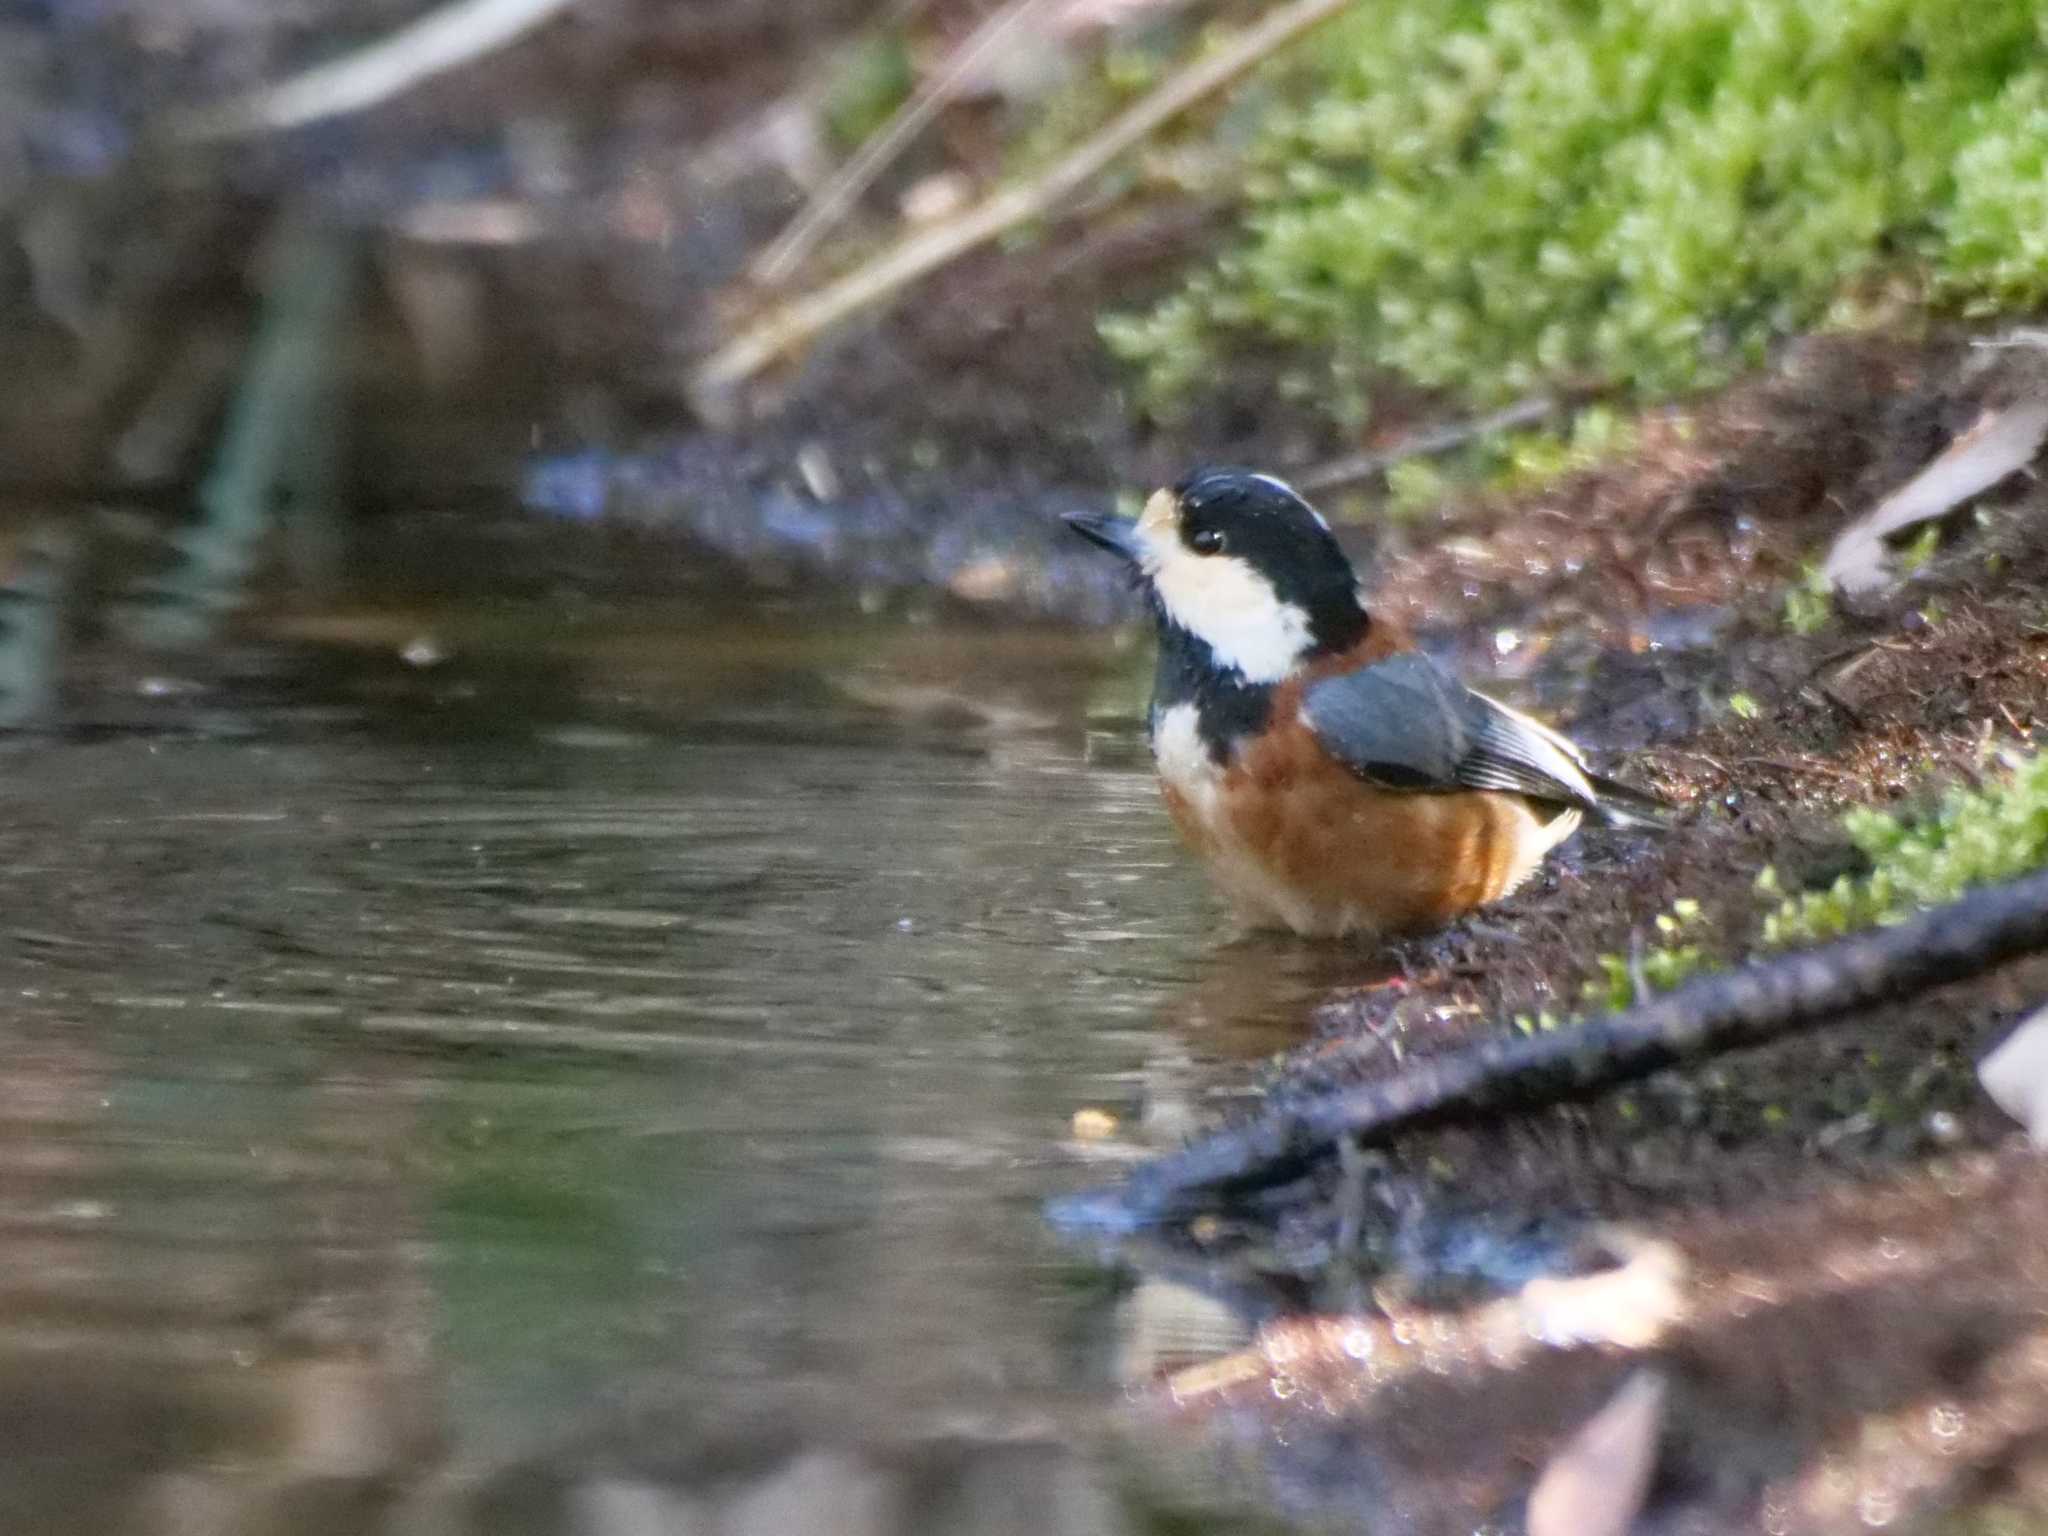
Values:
[(1240, 562)]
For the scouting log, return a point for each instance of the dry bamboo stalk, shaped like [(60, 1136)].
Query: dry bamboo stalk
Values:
[(788, 326), (828, 205), (443, 39)]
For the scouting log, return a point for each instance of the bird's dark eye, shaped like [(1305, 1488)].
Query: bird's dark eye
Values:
[(1206, 541)]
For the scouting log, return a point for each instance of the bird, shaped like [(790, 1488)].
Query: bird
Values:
[(1334, 779)]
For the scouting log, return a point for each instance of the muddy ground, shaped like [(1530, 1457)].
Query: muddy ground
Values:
[(1859, 1338)]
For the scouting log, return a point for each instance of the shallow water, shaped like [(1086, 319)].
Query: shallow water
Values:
[(606, 1079)]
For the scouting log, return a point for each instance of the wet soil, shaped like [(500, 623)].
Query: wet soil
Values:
[(1820, 1387), (1849, 1355)]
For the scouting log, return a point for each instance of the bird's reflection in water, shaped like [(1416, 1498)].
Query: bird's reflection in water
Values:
[(1255, 997), (1258, 993)]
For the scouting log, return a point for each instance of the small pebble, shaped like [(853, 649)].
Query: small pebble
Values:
[(1093, 1125), (166, 687)]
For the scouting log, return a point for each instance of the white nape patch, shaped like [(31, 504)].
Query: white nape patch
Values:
[(1221, 600), (1287, 490)]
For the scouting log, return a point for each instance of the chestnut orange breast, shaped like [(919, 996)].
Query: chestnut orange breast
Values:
[(1296, 839)]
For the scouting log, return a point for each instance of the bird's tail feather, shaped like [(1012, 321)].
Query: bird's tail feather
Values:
[(1620, 806)]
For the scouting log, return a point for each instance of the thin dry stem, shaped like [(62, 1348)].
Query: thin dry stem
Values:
[(828, 205), (787, 327), (435, 43)]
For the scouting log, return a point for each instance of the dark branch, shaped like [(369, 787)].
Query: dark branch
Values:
[(1725, 1012), (1428, 442)]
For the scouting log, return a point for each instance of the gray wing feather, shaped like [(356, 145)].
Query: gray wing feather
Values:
[(1405, 723)]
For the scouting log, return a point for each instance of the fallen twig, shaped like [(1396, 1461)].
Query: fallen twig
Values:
[(441, 40), (828, 205), (788, 326), (1355, 467), (1745, 1007)]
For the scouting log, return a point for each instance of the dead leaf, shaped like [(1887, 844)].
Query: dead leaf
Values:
[(2002, 441), (1595, 1485), (2015, 1075)]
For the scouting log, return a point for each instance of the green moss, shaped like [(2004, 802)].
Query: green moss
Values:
[(1972, 836), (1921, 548), (1809, 603), (1659, 967), (869, 79), (1996, 225), (1599, 435), (1489, 197), (1415, 487)]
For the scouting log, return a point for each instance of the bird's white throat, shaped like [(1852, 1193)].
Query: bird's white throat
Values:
[(1221, 601)]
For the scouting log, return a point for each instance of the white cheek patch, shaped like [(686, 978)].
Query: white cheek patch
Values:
[(1224, 603)]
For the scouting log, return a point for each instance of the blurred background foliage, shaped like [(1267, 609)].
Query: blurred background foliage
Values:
[(1490, 198), (1419, 211)]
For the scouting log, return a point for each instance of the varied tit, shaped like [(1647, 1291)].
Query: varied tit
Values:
[(1332, 777)]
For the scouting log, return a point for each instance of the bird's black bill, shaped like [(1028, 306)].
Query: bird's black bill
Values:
[(1118, 535)]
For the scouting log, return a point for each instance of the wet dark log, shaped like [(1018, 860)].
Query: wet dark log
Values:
[(1745, 1007)]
